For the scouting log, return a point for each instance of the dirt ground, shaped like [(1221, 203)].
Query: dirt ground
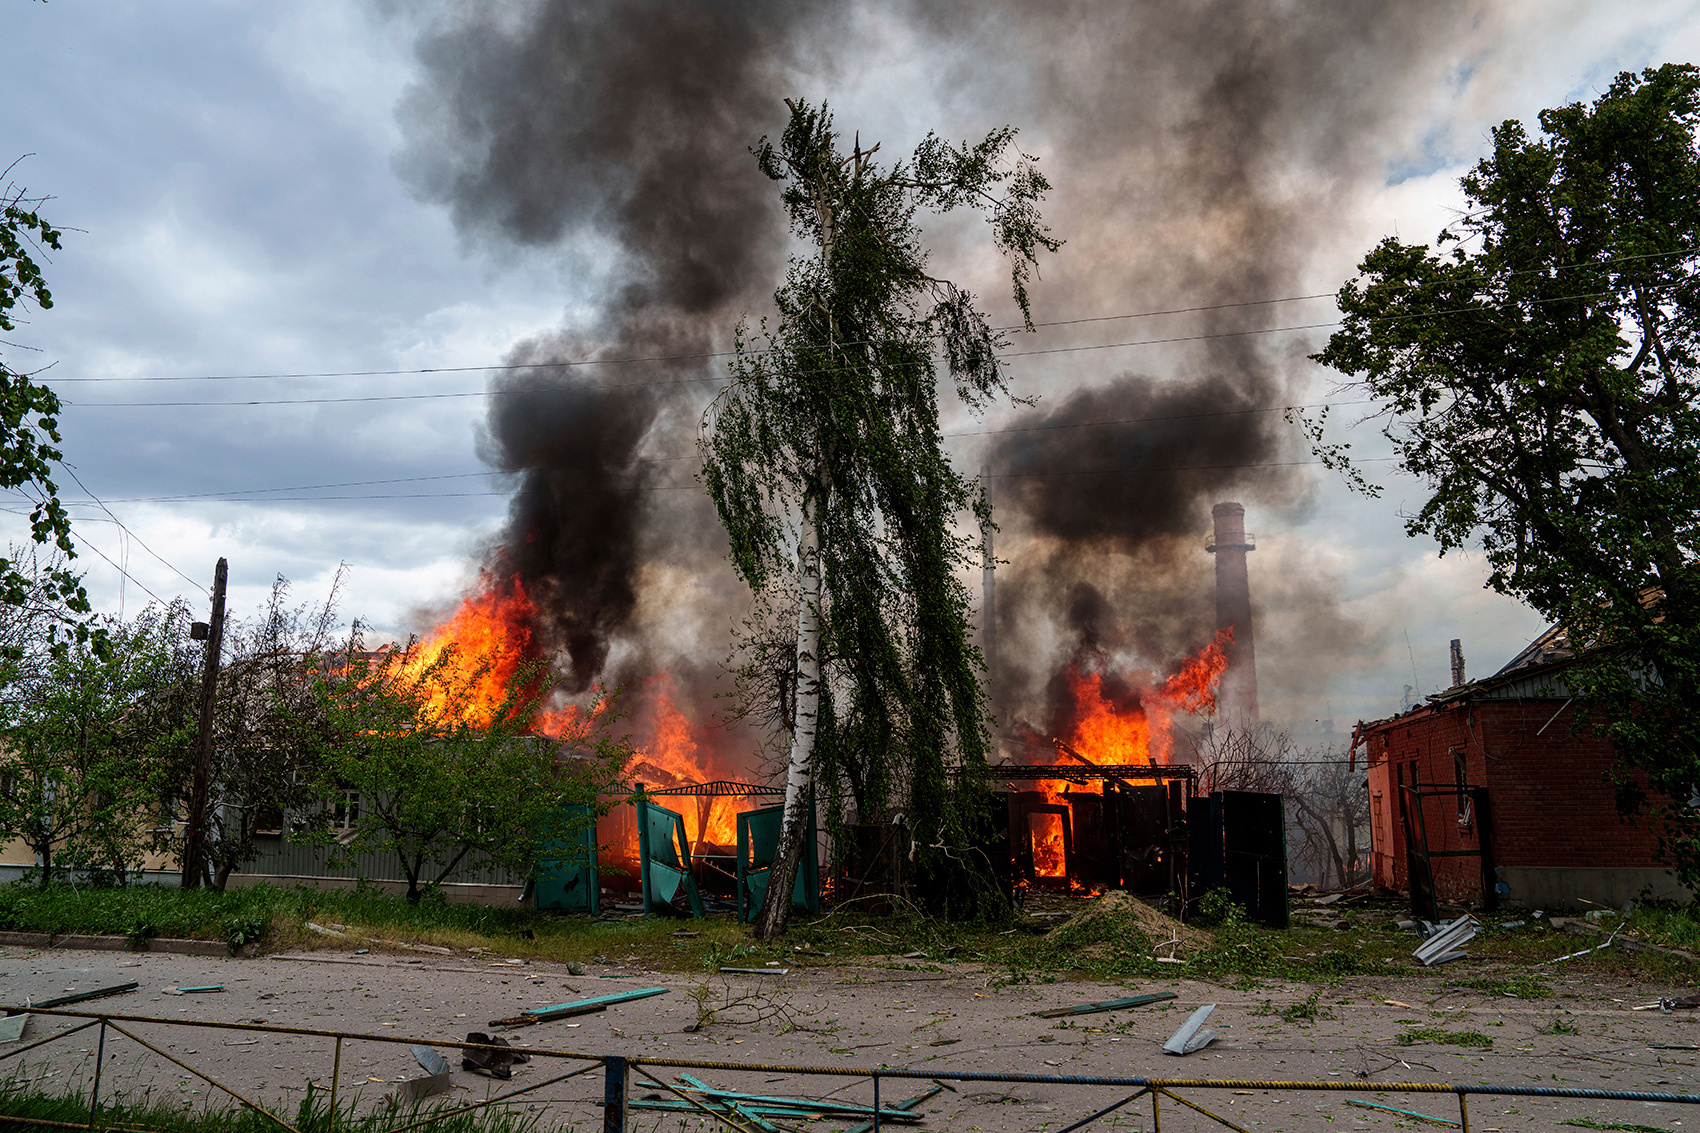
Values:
[(960, 1018)]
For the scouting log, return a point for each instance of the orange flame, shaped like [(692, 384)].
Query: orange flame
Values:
[(1140, 733)]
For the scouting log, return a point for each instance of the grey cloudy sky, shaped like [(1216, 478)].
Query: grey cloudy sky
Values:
[(241, 197)]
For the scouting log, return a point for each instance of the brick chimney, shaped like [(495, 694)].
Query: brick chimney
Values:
[(1237, 697)]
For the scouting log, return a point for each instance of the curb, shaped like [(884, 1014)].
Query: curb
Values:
[(115, 944)]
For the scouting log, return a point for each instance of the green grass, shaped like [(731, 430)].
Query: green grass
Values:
[(1560, 1027), (1306, 1011), (1436, 1035), (1521, 986), (19, 1099)]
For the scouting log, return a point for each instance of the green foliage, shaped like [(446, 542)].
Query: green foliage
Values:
[(29, 421), (87, 730), (430, 773), (25, 1098), (831, 428), (1218, 907), (1560, 1027), (1521, 986), (1538, 371), (1473, 1039), (1307, 1010)]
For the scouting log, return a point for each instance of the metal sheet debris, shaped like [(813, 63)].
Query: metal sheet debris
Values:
[(81, 996), (1191, 1036), (429, 1060), (1106, 1005), (418, 1089), (1403, 1113), (1446, 942), (584, 1006), (12, 1027)]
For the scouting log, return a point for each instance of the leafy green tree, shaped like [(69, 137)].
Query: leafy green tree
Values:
[(84, 734), (432, 775), (1536, 369), (29, 412), (825, 462)]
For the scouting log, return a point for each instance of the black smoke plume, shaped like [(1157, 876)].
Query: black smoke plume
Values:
[(628, 124)]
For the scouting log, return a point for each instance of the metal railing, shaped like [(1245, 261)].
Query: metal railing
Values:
[(620, 1070)]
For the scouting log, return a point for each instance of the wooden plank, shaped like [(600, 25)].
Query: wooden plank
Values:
[(1106, 1005), (581, 1006)]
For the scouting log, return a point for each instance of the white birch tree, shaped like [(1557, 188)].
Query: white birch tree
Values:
[(825, 461)]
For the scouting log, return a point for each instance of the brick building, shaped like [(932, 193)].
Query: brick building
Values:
[(1497, 783)]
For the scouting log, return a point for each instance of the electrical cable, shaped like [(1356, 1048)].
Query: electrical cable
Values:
[(583, 387), (130, 533), (124, 572), (706, 355), (189, 496)]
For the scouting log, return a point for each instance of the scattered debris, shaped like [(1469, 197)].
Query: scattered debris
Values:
[(574, 968), (474, 1057), (1328, 900), (1106, 1005), (418, 1089), (907, 1105), (757, 971), (1445, 943), (1513, 924), (586, 1006), (202, 990), (1398, 1003), (81, 996), (1403, 1113), (429, 1060), (760, 1106), (12, 1027), (1192, 1035), (324, 930)]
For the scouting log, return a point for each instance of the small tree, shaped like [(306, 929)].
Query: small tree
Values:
[(825, 462), (1539, 370), (271, 731), (435, 781), (86, 733)]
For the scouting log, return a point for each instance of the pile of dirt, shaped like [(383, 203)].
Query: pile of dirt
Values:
[(1116, 915)]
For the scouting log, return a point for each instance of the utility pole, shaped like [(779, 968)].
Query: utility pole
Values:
[(195, 833), (988, 586)]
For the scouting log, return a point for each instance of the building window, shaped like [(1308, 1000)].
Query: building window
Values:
[(1461, 777)]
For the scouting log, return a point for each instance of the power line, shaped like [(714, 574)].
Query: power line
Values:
[(462, 394), (128, 532), (215, 498), (224, 495), (708, 355), (124, 572)]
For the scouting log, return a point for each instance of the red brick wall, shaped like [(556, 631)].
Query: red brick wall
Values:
[(1550, 805)]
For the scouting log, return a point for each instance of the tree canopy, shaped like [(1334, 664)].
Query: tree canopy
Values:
[(1536, 369), (825, 461)]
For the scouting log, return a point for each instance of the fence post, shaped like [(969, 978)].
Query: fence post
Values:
[(614, 1095), (1463, 1114), (1156, 1117), (99, 1057), (876, 1101)]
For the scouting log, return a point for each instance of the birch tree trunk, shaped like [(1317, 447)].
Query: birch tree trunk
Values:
[(799, 775)]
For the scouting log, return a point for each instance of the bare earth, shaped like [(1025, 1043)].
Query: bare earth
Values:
[(900, 1015)]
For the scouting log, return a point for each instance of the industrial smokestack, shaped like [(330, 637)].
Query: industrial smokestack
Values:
[(1457, 662), (1236, 700)]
